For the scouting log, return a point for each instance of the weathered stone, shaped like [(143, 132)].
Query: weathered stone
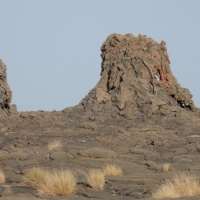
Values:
[(39, 156), (58, 155), (136, 78), (70, 155), (98, 153), (5, 91), (88, 125), (153, 165), (151, 155)]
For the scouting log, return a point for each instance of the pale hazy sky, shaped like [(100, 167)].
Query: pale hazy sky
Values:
[(52, 47)]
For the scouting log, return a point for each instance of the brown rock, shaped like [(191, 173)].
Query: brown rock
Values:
[(153, 165), (88, 125), (98, 153), (70, 155), (136, 77), (58, 155), (5, 91)]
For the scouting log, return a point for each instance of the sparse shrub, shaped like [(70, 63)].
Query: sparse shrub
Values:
[(52, 183), (181, 185), (165, 167), (58, 183), (2, 177), (35, 176), (96, 179), (112, 170), (54, 144)]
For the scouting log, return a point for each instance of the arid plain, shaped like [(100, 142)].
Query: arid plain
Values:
[(137, 118)]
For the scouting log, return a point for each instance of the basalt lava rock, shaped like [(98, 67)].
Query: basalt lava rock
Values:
[(5, 92), (136, 79)]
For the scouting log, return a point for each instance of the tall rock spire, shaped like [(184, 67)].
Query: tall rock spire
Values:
[(136, 78), (5, 91)]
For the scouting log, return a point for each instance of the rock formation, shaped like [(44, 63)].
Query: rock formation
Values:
[(137, 117), (5, 91), (136, 79)]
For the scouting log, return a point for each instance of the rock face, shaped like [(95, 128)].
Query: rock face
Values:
[(135, 79), (5, 91)]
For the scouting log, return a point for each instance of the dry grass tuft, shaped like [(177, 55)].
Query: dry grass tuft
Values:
[(54, 144), (96, 179), (2, 177), (35, 176), (182, 185), (112, 170), (59, 183), (165, 167), (52, 183)]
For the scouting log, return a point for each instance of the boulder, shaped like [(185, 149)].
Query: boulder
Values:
[(98, 153)]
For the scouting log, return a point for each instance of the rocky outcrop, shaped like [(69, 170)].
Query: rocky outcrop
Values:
[(136, 78), (5, 92), (137, 117)]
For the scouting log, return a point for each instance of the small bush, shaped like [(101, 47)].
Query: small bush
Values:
[(112, 170), (96, 179), (2, 177), (52, 183), (181, 185), (54, 144)]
